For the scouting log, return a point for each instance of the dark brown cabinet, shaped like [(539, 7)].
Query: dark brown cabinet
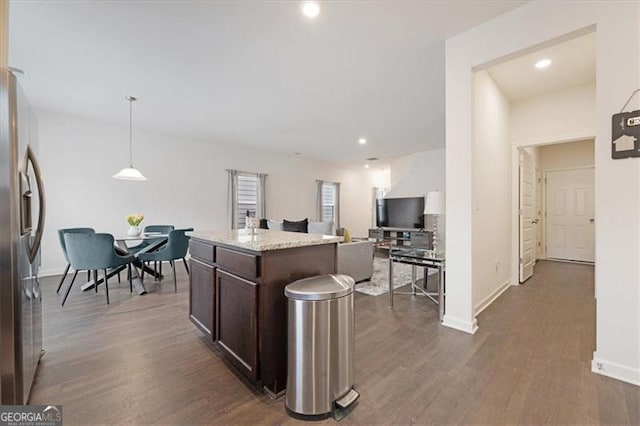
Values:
[(237, 298), (202, 284), (237, 321)]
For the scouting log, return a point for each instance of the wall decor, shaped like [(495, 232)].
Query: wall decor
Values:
[(625, 132)]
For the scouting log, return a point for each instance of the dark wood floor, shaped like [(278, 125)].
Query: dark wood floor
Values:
[(140, 361)]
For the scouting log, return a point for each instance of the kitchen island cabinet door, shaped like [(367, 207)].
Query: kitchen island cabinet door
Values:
[(237, 321), (202, 284)]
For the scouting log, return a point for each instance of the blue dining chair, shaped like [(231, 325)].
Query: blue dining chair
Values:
[(162, 229), (61, 233), (94, 252), (176, 248)]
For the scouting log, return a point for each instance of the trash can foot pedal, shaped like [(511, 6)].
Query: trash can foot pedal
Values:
[(345, 405), (348, 399)]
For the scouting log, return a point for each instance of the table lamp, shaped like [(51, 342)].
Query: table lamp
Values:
[(434, 205)]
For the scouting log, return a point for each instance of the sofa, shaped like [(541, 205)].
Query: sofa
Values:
[(355, 258)]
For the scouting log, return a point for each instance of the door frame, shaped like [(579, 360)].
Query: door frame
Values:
[(544, 208), (515, 202)]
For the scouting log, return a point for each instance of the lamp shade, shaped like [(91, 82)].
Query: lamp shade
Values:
[(434, 203), (129, 173)]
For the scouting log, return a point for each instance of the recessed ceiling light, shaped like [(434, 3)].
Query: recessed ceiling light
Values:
[(366, 166), (362, 141), (543, 63), (310, 9)]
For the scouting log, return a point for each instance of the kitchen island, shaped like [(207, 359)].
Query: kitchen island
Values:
[(236, 293)]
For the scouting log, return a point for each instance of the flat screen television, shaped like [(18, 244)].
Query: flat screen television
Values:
[(400, 212)]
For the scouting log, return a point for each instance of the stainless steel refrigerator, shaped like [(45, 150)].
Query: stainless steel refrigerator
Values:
[(22, 211)]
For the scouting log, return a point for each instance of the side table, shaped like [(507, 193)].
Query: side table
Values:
[(420, 258)]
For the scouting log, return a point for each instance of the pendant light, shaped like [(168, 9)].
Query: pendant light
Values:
[(130, 173)]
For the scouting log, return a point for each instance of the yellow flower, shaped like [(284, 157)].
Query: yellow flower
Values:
[(135, 219)]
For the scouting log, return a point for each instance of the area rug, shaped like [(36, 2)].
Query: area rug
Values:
[(379, 283)]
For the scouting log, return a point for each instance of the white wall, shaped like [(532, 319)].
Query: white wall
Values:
[(491, 220), (567, 155), (416, 174), (400, 169), (356, 197), (568, 114), (187, 181), (618, 231), (4, 32)]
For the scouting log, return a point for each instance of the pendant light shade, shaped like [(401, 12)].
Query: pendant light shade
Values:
[(130, 173)]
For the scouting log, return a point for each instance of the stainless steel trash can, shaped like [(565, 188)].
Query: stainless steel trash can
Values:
[(321, 341)]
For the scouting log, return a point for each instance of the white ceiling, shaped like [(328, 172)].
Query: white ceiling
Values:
[(573, 64), (251, 73)]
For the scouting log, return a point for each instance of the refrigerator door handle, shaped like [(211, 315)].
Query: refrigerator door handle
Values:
[(34, 246)]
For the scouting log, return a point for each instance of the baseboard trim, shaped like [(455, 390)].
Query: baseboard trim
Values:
[(51, 272), (484, 304), (579, 262), (457, 324), (615, 371)]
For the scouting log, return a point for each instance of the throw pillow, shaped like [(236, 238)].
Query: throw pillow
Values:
[(274, 225), (347, 236), (323, 228), (263, 224), (299, 226)]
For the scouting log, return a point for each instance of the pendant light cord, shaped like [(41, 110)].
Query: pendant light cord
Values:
[(130, 132)]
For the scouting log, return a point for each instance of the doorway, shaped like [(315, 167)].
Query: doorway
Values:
[(556, 194)]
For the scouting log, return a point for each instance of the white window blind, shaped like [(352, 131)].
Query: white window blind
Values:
[(328, 201), (247, 196)]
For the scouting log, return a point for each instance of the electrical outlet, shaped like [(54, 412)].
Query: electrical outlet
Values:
[(599, 366)]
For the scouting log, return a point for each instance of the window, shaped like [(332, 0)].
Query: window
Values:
[(328, 202), (247, 196)]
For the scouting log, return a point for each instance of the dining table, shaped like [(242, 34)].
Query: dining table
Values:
[(155, 240)]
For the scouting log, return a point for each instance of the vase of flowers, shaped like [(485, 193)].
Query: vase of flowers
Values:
[(134, 221)]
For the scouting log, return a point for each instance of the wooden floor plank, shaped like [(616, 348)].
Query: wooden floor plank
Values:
[(140, 361)]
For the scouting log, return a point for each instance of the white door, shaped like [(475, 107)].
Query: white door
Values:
[(527, 216), (538, 215), (570, 215)]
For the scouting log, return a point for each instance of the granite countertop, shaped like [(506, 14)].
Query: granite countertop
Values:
[(264, 239)]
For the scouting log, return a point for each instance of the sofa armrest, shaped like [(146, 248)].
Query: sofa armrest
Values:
[(356, 259)]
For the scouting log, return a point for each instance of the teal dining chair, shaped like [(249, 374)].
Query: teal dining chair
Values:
[(93, 252), (61, 233), (162, 229), (176, 248)]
